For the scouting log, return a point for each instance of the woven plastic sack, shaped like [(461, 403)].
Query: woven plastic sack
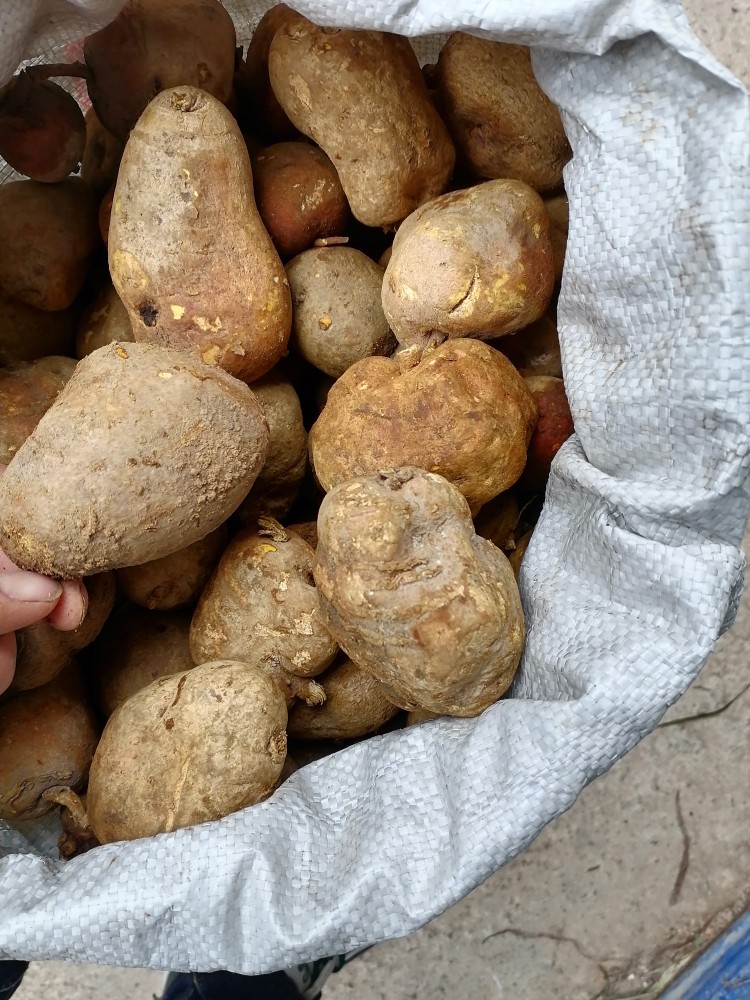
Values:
[(633, 572)]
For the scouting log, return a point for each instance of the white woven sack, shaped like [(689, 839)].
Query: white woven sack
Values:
[(632, 574)]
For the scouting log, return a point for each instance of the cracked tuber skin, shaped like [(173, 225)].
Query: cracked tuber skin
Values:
[(42, 129), (471, 263), (460, 410), (261, 606), (414, 597), (187, 749)]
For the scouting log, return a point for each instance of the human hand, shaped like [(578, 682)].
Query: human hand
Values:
[(26, 598)]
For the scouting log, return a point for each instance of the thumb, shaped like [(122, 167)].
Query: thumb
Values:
[(26, 598), (7, 660)]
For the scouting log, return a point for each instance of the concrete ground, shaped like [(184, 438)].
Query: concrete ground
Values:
[(650, 864)]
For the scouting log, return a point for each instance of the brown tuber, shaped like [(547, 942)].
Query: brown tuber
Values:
[(47, 739), (135, 648), (355, 706), (502, 122), (206, 278), (44, 651), (187, 749), (516, 556), (153, 45), (535, 350), (42, 129), (102, 155), (261, 606), (105, 321), (338, 316), (48, 234), (361, 96), (258, 107), (174, 447), (472, 263), (498, 521), (553, 428), (460, 410), (299, 196), (416, 598), (280, 479), (26, 393), (175, 580), (27, 333)]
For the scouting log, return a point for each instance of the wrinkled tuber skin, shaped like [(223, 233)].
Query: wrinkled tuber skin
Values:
[(176, 580), (261, 606), (47, 739), (361, 97), (206, 278), (502, 122), (143, 452), (153, 45), (471, 263), (355, 706), (44, 651), (280, 479), (414, 597), (461, 410), (187, 749), (137, 647), (26, 393)]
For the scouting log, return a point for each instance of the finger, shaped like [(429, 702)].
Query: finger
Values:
[(71, 609), (7, 660), (26, 598), (6, 566)]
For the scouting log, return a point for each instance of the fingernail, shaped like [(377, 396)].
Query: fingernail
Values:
[(85, 599), (29, 588)]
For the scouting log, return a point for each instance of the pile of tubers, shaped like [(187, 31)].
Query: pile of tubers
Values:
[(280, 381)]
